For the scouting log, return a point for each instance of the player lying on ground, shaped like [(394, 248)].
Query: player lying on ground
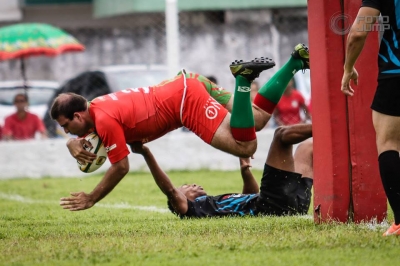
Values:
[(145, 114), (285, 186)]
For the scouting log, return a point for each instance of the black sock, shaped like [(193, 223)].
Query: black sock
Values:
[(389, 167)]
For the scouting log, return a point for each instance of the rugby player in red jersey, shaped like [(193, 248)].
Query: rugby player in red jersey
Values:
[(145, 114)]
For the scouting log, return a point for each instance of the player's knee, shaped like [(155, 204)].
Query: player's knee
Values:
[(247, 149), (305, 148)]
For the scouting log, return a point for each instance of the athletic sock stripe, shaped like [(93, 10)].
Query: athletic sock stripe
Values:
[(244, 134), (264, 103)]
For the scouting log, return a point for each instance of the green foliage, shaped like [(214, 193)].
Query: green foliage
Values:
[(34, 230)]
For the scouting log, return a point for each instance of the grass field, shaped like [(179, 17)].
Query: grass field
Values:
[(133, 227)]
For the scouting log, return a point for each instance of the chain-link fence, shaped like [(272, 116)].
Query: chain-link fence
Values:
[(208, 42)]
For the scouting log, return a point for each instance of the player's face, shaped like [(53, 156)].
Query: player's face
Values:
[(76, 126), (192, 191)]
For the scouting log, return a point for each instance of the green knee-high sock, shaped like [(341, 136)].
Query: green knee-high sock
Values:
[(270, 94), (242, 120)]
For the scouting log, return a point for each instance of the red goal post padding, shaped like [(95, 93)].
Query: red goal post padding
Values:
[(347, 185)]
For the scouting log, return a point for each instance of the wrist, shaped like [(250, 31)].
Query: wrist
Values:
[(69, 141), (92, 198), (348, 69), (244, 167), (145, 152)]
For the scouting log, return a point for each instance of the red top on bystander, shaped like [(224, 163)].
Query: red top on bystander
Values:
[(23, 129), (288, 108)]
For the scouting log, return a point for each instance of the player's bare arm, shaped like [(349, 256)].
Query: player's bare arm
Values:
[(174, 195), (355, 43), (82, 201), (250, 185), (77, 150)]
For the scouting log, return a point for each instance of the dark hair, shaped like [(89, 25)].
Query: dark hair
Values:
[(212, 79), (21, 94), (67, 104)]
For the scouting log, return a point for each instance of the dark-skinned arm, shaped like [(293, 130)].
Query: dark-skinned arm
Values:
[(82, 201), (175, 196), (250, 185)]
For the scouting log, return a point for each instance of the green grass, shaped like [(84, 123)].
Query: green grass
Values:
[(36, 231)]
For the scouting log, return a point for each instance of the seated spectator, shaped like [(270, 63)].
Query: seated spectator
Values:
[(287, 111), (22, 125)]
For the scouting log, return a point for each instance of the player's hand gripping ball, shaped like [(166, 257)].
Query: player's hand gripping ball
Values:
[(98, 149)]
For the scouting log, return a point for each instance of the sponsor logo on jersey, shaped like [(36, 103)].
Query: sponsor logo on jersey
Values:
[(110, 148), (113, 96), (212, 108)]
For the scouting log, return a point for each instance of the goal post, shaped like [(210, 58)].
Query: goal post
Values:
[(347, 185)]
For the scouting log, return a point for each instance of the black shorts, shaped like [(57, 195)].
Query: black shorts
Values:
[(283, 193), (387, 97)]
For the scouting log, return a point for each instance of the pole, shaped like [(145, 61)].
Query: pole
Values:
[(347, 186), (23, 74), (172, 32)]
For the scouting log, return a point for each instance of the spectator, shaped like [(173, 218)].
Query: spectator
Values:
[(22, 125), (287, 111)]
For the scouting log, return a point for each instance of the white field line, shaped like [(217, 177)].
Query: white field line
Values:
[(373, 225), (19, 198)]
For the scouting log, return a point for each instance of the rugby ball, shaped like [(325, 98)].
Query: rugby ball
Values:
[(98, 149)]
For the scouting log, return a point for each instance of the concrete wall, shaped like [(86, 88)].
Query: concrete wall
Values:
[(177, 150)]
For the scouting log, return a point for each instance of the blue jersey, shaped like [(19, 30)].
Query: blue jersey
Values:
[(389, 51), (222, 205)]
